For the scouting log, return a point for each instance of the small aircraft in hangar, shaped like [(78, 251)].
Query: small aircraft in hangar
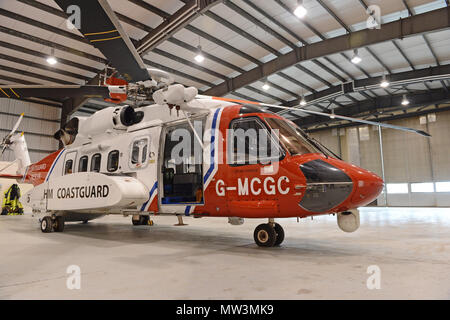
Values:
[(186, 154)]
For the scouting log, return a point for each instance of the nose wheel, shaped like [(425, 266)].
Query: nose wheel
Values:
[(50, 224), (268, 235)]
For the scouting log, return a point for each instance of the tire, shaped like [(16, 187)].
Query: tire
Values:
[(47, 224), (280, 234), (59, 224), (265, 235), (144, 220)]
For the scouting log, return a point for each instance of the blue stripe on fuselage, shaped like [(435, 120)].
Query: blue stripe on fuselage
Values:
[(155, 186), (54, 164), (213, 139)]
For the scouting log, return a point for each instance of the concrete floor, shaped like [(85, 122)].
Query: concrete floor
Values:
[(210, 259)]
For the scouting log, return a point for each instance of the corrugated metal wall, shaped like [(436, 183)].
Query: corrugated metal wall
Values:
[(408, 158), (39, 125)]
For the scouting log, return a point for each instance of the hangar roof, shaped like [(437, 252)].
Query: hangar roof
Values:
[(248, 43)]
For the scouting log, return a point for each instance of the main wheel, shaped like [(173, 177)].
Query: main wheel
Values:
[(143, 221), (47, 224), (280, 234), (265, 235), (59, 224)]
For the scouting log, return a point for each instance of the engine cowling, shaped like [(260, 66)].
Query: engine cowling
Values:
[(119, 118)]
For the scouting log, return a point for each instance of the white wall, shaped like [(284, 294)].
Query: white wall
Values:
[(408, 158), (44, 121)]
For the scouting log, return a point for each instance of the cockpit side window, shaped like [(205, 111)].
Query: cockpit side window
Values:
[(291, 137), (250, 142)]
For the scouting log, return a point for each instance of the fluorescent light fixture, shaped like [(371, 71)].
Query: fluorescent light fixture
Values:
[(356, 58), (300, 11), (199, 57), (405, 100), (384, 82)]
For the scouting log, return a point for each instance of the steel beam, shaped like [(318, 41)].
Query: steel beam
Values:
[(416, 25), (358, 86), (384, 119), (174, 23)]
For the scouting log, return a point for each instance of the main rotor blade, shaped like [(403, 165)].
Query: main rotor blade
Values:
[(100, 25), (329, 115), (3, 149), (16, 126), (49, 91)]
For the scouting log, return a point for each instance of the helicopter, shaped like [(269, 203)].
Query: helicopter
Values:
[(185, 155)]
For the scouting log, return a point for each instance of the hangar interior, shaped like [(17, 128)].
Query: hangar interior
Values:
[(262, 51)]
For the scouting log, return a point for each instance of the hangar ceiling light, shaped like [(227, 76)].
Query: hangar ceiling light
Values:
[(51, 60), (303, 101), (384, 82), (300, 11), (199, 57), (356, 58), (266, 85), (405, 100)]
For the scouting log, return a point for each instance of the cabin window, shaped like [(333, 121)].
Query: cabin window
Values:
[(113, 161), (249, 142), (96, 162), (83, 164), (139, 152), (68, 169)]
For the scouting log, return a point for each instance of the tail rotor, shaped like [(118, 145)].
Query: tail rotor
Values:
[(7, 139)]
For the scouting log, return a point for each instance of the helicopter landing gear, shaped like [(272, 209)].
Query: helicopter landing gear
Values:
[(58, 224), (269, 234), (46, 224), (49, 224), (141, 221), (180, 221)]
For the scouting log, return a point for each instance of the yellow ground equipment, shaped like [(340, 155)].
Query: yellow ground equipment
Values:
[(11, 204)]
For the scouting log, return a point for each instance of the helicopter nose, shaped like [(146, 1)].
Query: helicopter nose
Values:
[(333, 184), (367, 187)]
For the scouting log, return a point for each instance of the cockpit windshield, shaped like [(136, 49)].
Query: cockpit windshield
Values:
[(296, 141), (292, 137)]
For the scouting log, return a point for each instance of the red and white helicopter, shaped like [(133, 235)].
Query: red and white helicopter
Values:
[(185, 155)]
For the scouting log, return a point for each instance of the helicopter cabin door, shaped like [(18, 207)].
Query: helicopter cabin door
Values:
[(181, 167)]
